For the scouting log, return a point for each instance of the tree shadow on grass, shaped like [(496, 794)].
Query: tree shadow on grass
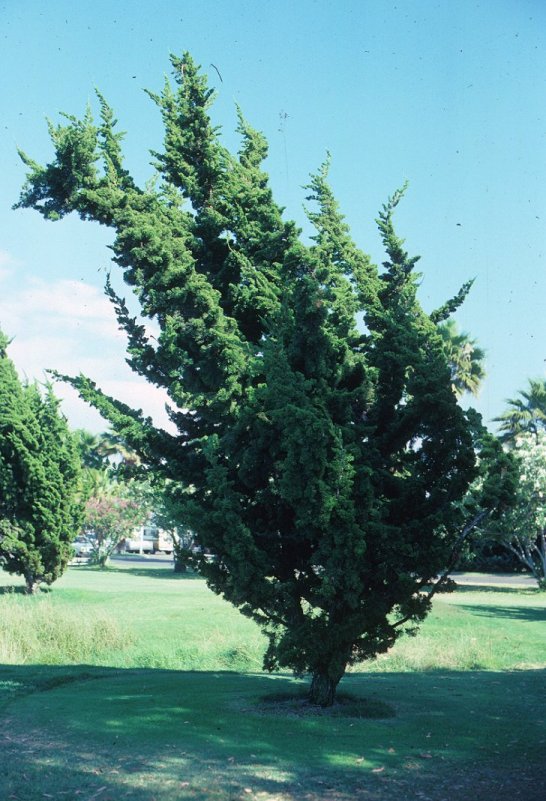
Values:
[(11, 589), (533, 614), (113, 734), (143, 572), (495, 588)]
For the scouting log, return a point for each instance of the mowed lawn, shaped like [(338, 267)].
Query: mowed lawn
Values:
[(136, 683)]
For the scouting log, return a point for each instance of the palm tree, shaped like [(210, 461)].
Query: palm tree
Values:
[(103, 457), (464, 357), (113, 448), (526, 413), (88, 447)]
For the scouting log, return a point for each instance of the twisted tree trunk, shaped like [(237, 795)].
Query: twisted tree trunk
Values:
[(323, 688), (32, 584)]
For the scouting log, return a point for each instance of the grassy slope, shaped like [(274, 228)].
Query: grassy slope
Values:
[(477, 733)]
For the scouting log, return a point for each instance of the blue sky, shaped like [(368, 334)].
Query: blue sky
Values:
[(451, 96)]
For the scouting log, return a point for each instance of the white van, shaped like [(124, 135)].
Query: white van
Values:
[(149, 539)]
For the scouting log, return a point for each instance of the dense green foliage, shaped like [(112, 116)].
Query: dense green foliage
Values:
[(40, 505), (320, 452)]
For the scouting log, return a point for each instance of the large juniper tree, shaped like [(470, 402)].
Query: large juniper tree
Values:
[(320, 451), (40, 504)]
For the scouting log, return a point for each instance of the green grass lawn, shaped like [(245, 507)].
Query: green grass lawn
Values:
[(135, 683)]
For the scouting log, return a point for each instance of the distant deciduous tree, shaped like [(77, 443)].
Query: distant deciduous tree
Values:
[(40, 491), (522, 527), (118, 495), (110, 519)]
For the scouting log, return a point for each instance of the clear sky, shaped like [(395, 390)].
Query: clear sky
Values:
[(449, 95)]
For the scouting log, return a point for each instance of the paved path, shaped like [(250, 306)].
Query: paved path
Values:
[(520, 580), (150, 560)]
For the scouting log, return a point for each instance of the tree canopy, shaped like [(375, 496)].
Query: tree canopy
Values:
[(118, 498), (40, 503), (110, 517), (320, 453)]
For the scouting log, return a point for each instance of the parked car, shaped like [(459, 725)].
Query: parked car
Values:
[(82, 547)]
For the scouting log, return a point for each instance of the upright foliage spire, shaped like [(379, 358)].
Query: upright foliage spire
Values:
[(318, 458)]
